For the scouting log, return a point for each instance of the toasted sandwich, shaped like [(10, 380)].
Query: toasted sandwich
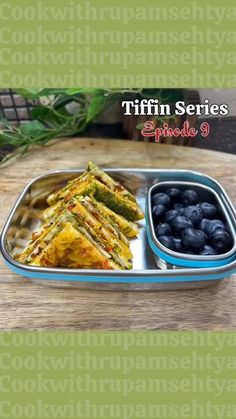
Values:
[(51, 239), (101, 232), (83, 185), (117, 203), (128, 228), (109, 181), (98, 183), (72, 247)]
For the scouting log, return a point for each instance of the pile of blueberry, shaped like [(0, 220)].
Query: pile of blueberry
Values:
[(185, 224)]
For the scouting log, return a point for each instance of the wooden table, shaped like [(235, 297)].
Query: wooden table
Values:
[(28, 306)]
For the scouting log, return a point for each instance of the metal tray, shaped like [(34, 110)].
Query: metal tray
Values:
[(24, 218)]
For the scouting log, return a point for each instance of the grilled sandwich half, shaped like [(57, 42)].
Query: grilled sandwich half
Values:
[(95, 182), (55, 246), (123, 226), (72, 247)]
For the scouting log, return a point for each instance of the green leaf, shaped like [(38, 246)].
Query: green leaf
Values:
[(74, 90), (39, 112), (37, 93), (32, 128), (53, 92), (48, 116), (96, 106), (84, 91), (44, 115), (29, 93), (6, 138)]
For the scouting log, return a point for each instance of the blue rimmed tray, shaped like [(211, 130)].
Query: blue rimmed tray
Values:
[(24, 219)]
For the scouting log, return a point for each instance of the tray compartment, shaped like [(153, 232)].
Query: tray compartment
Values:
[(164, 256), (145, 275)]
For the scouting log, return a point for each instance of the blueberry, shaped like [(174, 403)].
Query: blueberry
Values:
[(193, 239), (203, 224), (178, 246), (210, 226), (163, 229), (167, 241), (170, 215), (207, 251), (180, 223), (174, 194), (214, 225), (190, 197), (158, 211), (221, 241), (194, 213), (179, 207), (208, 210), (161, 199)]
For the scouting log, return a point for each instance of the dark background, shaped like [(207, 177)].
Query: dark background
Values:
[(221, 137)]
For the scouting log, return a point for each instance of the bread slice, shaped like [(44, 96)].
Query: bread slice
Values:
[(117, 203), (101, 232), (71, 248)]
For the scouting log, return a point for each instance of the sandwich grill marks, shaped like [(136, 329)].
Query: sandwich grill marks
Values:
[(87, 225)]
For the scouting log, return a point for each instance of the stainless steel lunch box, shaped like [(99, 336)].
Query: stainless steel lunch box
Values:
[(177, 259), (24, 219)]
